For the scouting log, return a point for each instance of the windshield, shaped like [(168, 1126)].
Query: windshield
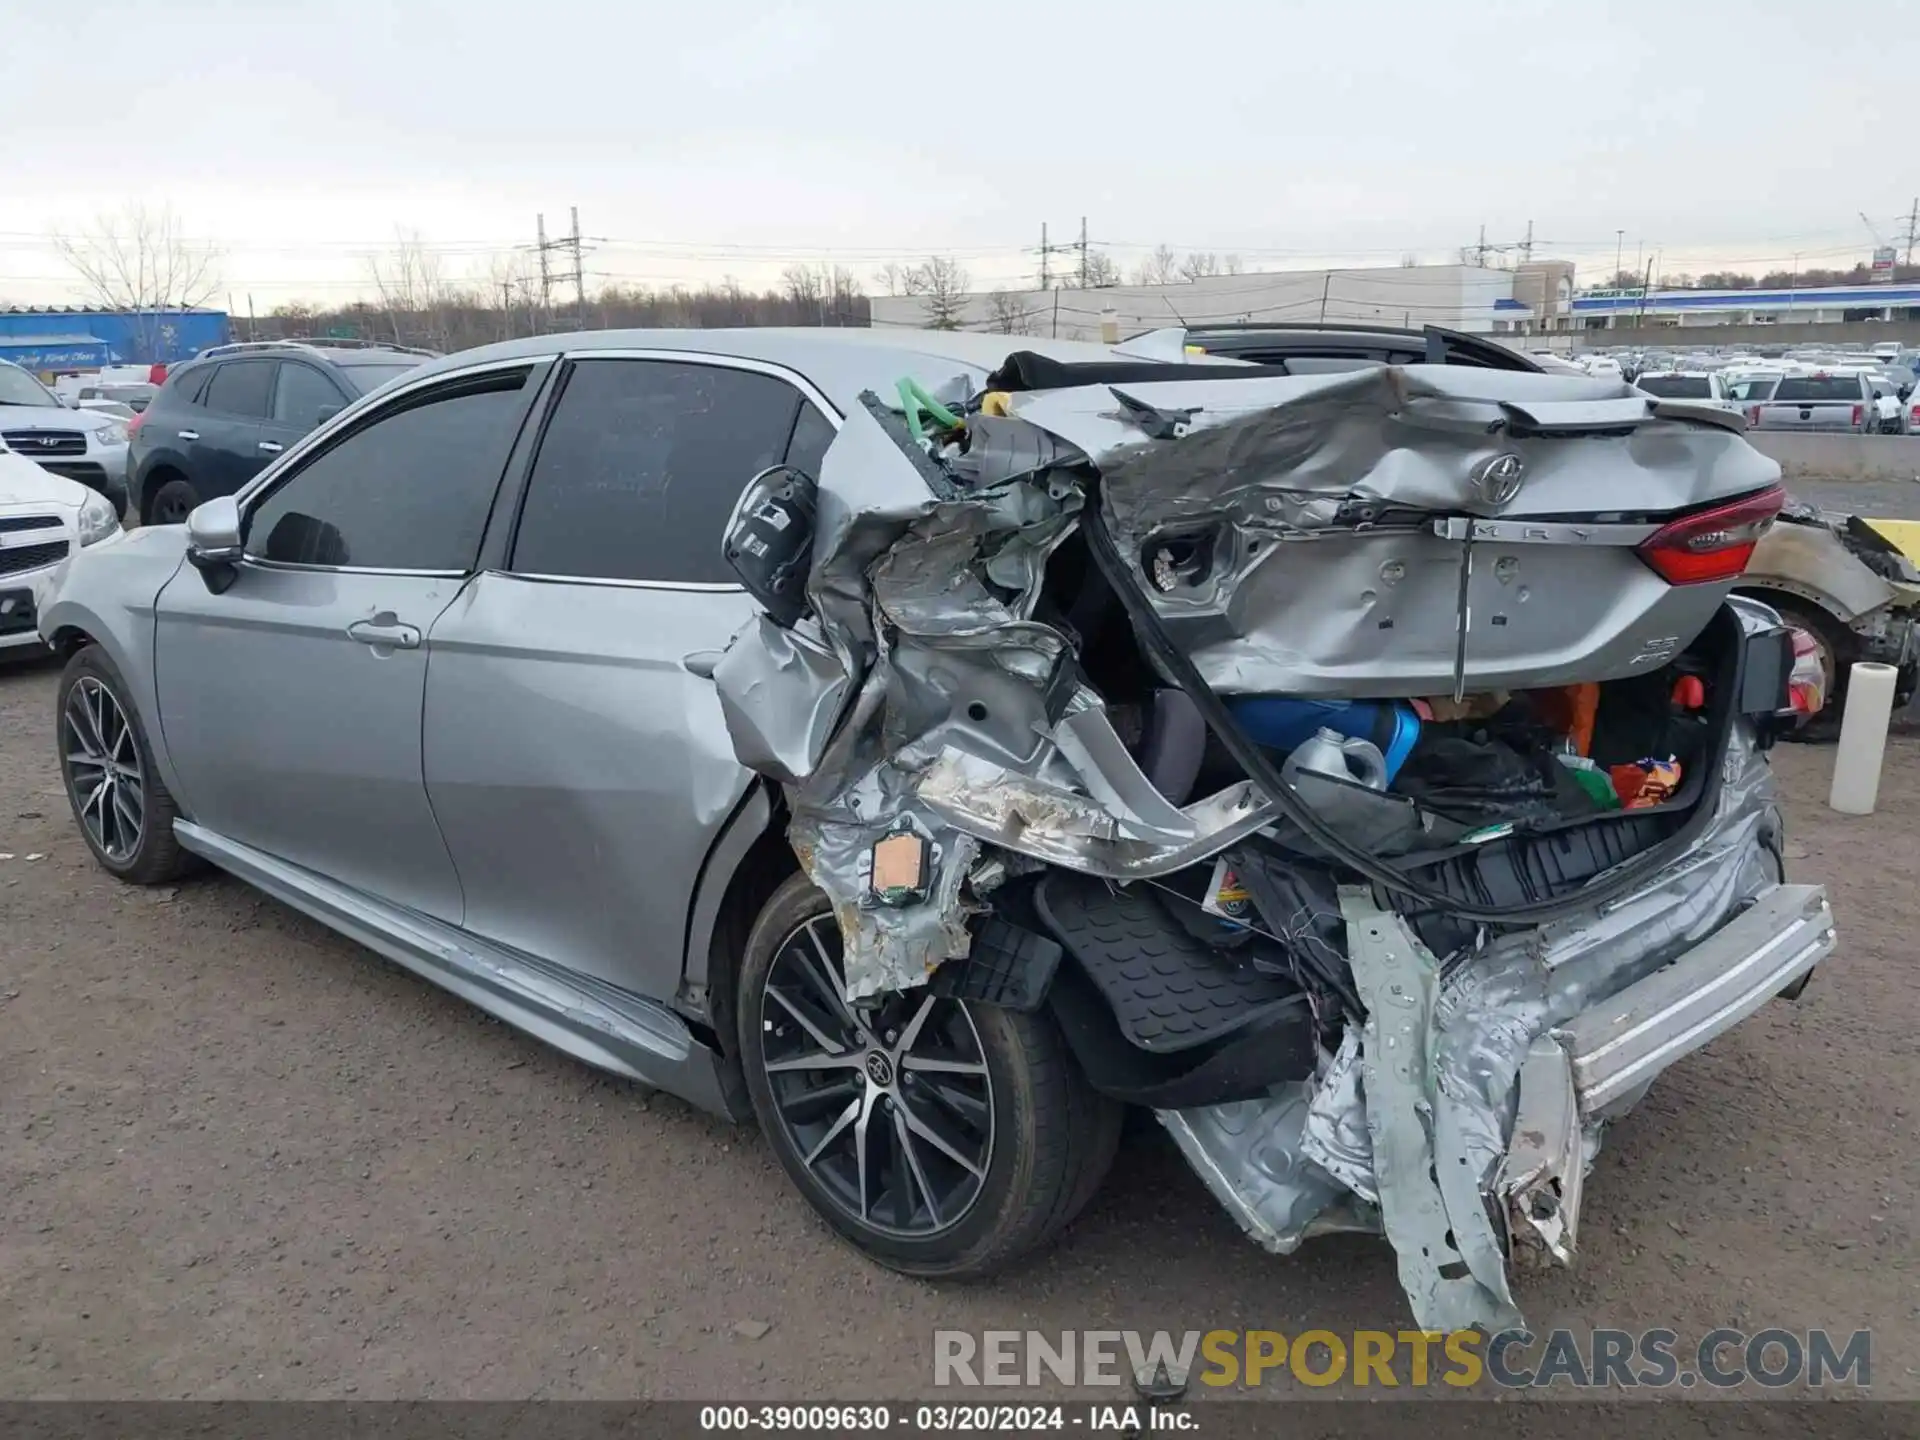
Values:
[(371, 377), (1818, 387), (1678, 387), (17, 387)]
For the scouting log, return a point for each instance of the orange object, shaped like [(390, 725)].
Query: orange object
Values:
[(1689, 693), (1571, 710), (1645, 782)]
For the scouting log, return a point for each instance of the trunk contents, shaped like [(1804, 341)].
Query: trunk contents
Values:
[(1236, 723)]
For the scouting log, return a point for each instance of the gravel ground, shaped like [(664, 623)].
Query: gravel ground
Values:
[(244, 1157)]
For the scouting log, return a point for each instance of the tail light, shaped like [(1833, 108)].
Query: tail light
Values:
[(133, 424), (1753, 414), (157, 374), (1712, 544), (1857, 411)]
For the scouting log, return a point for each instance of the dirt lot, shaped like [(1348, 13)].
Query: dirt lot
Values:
[(242, 1157)]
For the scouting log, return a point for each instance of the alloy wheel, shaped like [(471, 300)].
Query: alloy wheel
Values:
[(104, 776), (171, 510), (889, 1104)]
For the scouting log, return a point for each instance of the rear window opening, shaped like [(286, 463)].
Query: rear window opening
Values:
[(1818, 387), (1677, 387)]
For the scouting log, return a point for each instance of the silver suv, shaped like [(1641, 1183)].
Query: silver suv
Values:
[(929, 751)]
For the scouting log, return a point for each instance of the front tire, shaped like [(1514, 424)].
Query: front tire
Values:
[(938, 1137), (123, 808)]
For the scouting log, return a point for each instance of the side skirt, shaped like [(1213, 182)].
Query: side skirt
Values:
[(599, 1024)]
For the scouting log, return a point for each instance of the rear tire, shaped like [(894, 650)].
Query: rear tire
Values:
[(171, 503), (1037, 1137), (123, 808)]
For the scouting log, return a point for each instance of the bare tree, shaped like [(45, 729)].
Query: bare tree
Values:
[(1199, 264), (941, 284), (1162, 267), (513, 282), (1231, 265), (138, 262), (413, 291), (1409, 260), (1007, 313), (893, 278), (1102, 272)]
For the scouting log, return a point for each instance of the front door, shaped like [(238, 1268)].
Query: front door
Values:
[(579, 770), (292, 701)]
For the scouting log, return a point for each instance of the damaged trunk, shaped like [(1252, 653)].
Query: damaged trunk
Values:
[(1318, 751)]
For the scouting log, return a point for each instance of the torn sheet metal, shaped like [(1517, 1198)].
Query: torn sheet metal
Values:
[(1540, 1178), (1492, 1009), (1250, 1156), (1450, 1261), (925, 642), (1309, 535)]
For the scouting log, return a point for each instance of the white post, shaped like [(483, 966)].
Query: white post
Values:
[(1863, 738)]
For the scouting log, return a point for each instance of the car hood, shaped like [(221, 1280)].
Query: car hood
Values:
[(24, 483), (51, 417)]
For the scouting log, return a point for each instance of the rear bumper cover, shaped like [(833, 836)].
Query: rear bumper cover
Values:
[(1617, 1047)]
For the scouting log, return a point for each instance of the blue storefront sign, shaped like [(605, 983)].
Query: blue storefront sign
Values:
[(57, 352)]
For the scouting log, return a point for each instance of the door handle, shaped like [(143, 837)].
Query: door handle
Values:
[(272, 447), (384, 630), (189, 434)]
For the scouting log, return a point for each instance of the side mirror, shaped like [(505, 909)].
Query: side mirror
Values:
[(214, 541)]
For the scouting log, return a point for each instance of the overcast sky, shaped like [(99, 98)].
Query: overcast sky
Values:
[(705, 137)]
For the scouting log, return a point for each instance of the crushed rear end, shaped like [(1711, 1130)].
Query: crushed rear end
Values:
[(1366, 770)]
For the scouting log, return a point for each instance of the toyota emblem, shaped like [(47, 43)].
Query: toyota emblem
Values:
[(1498, 479)]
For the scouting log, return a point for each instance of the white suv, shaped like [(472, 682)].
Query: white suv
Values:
[(79, 444), (44, 518)]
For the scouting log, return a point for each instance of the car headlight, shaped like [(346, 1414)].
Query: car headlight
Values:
[(112, 433), (98, 519)]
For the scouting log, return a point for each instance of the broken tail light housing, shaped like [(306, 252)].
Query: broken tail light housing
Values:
[(1858, 411), (1713, 544)]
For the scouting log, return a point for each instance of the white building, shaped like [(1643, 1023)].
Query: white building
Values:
[(1458, 297)]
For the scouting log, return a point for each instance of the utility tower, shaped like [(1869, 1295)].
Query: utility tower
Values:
[(1048, 251), (568, 245)]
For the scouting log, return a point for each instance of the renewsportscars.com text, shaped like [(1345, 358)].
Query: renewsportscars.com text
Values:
[(1509, 1359)]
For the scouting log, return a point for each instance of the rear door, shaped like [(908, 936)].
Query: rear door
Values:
[(292, 700), (580, 772), (222, 441)]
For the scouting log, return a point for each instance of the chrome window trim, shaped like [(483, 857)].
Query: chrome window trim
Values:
[(289, 565), (809, 392), (694, 587)]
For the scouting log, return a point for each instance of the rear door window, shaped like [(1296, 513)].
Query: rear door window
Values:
[(241, 387), (641, 465), (302, 394)]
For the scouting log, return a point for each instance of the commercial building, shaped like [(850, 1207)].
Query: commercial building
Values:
[(48, 339), (1816, 305), (1458, 297)]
